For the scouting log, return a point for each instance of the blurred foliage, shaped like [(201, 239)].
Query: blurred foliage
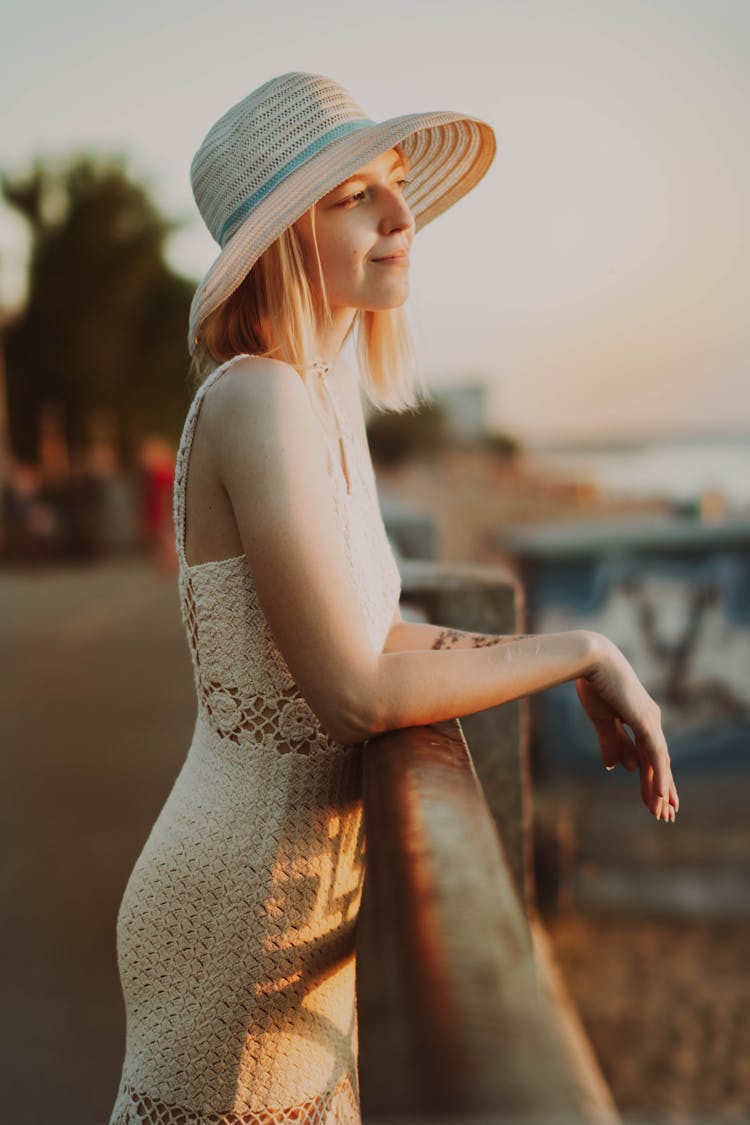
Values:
[(503, 445), (105, 324), (394, 438)]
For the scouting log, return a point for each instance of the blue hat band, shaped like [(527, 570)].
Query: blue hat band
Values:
[(243, 210)]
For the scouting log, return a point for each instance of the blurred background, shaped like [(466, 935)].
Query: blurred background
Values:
[(582, 319)]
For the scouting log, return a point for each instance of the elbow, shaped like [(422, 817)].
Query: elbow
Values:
[(350, 725), (354, 718)]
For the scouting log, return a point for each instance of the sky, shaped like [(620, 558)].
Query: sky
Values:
[(596, 280)]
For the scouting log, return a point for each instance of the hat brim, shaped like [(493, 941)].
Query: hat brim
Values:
[(448, 154)]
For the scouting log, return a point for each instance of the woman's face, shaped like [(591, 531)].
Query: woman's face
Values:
[(357, 226)]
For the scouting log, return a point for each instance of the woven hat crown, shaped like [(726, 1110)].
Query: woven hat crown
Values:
[(262, 139), (281, 149)]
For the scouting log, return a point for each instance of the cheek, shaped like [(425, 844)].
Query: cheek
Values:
[(349, 247), (343, 250), (345, 260)]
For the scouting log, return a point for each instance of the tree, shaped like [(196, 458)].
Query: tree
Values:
[(105, 322), (395, 437)]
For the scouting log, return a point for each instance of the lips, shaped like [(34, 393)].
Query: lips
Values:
[(401, 256)]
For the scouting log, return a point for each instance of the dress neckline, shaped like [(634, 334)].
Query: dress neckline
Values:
[(341, 452)]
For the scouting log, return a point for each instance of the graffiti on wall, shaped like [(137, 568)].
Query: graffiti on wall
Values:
[(683, 625)]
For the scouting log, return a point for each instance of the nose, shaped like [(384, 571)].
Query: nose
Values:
[(396, 212)]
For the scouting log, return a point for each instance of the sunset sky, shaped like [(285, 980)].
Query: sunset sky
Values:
[(598, 279)]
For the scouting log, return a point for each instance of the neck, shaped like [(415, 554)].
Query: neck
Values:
[(330, 340)]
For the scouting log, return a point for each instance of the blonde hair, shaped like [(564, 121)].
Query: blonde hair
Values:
[(275, 312)]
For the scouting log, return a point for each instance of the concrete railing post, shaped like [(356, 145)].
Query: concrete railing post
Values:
[(486, 599)]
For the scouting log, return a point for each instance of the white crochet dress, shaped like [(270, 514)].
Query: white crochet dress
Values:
[(236, 931)]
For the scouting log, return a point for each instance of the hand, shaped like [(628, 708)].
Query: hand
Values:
[(612, 695)]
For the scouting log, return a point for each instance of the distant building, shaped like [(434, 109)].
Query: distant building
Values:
[(466, 409)]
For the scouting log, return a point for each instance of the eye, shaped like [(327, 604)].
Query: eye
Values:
[(357, 195)]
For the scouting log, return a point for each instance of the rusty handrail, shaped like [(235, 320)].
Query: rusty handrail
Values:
[(454, 1020)]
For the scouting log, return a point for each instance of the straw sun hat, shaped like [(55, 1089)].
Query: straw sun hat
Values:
[(274, 154)]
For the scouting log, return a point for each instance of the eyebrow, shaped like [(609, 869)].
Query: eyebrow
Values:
[(398, 162)]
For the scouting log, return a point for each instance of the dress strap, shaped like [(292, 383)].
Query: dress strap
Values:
[(183, 454), (341, 445)]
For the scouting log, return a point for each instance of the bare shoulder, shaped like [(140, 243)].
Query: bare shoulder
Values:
[(252, 399), (251, 384), (260, 424)]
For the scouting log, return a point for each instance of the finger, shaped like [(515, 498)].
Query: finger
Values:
[(603, 718), (674, 800), (656, 745), (628, 753), (630, 760), (646, 779), (609, 744), (652, 747), (657, 802), (662, 775)]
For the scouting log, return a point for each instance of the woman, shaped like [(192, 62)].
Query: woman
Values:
[(236, 930)]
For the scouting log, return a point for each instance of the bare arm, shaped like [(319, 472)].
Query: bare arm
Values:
[(405, 636), (271, 458), (416, 687), (463, 673), (647, 752)]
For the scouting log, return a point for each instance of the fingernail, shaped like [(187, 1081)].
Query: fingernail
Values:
[(608, 768)]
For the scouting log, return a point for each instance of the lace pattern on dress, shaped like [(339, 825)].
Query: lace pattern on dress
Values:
[(334, 1107), (268, 707)]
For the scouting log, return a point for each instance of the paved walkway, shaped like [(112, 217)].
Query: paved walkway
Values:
[(96, 713)]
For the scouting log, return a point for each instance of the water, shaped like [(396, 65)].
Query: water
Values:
[(678, 469)]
